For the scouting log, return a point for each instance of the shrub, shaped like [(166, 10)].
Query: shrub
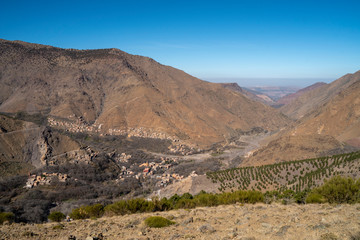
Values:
[(56, 216), (300, 197), (270, 196), (254, 197), (78, 213), (206, 200), (185, 203), (339, 190), (187, 196), (95, 211), (6, 216), (314, 197), (158, 222), (139, 205), (162, 205), (117, 208), (91, 211)]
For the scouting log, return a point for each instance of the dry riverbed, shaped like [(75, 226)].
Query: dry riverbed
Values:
[(259, 221)]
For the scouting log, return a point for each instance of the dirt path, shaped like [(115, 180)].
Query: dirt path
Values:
[(249, 143), (19, 131)]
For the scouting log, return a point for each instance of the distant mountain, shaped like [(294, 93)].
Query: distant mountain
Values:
[(274, 93), (256, 96), (117, 92), (312, 100), (331, 124), (291, 97)]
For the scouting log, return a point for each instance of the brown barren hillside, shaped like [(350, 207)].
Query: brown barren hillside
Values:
[(311, 100), (333, 127), (340, 117), (25, 146), (118, 91), (289, 148)]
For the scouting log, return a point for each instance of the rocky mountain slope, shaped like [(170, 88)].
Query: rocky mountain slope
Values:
[(259, 221), (315, 98), (25, 146), (116, 91), (331, 124), (339, 117)]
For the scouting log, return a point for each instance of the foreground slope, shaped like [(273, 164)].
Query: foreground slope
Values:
[(259, 221), (117, 91)]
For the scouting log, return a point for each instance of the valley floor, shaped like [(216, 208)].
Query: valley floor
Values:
[(259, 221)]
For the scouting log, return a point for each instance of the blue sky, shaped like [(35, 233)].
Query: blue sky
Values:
[(252, 42)]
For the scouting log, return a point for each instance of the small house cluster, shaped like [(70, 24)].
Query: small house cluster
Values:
[(151, 170), (76, 156), (167, 178), (77, 126), (45, 179), (123, 158)]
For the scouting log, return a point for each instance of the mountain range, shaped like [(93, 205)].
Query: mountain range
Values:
[(116, 91)]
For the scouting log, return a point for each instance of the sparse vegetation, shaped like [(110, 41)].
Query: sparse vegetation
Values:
[(336, 190), (288, 182), (56, 216), (158, 222), (6, 217), (298, 176), (91, 211)]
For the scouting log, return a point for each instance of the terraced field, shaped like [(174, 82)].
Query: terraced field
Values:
[(295, 175)]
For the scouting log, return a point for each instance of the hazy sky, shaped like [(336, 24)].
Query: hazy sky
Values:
[(259, 41)]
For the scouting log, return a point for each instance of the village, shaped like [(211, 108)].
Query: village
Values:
[(45, 179), (159, 171), (78, 125), (152, 170)]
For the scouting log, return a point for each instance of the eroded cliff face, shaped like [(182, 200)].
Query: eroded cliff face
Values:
[(25, 146)]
